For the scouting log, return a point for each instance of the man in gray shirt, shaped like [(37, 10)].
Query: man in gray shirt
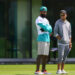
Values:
[(62, 31)]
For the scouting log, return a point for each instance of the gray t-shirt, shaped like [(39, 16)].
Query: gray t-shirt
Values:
[(63, 29)]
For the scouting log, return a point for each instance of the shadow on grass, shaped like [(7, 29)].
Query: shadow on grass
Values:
[(42, 74)]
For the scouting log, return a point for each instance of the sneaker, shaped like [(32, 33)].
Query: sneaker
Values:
[(39, 72), (59, 72), (45, 72), (63, 71)]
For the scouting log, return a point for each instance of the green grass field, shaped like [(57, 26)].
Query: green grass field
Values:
[(30, 69)]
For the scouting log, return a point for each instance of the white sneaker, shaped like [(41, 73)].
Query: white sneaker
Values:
[(59, 72), (63, 71)]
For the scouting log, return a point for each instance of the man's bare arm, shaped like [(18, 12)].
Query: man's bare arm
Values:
[(70, 43)]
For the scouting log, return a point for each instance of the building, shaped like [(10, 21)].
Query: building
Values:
[(17, 25)]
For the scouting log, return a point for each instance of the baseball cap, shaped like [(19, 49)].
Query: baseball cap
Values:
[(63, 11), (43, 8)]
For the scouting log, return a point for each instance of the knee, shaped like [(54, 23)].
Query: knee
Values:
[(60, 60)]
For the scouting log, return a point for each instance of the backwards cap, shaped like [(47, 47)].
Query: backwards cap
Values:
[(63, 11), (43, 8)]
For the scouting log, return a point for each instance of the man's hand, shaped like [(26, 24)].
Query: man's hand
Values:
[(70, 44), (42, 30), (58, 37)]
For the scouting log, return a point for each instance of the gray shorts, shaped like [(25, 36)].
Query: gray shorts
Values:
[(62, 53), (43, 48)]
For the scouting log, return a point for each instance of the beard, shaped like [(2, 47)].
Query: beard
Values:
[(43, 15)]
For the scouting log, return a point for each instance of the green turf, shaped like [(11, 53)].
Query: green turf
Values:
[(30, 69)]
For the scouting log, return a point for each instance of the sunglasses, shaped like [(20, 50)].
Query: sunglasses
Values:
[(62, 15)]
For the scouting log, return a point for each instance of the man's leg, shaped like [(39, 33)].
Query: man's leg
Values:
[(62, 66), (59, 66), (39, 56), (66, 52), (45, 56), (60, 57), (44, 61), (38, 62)]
